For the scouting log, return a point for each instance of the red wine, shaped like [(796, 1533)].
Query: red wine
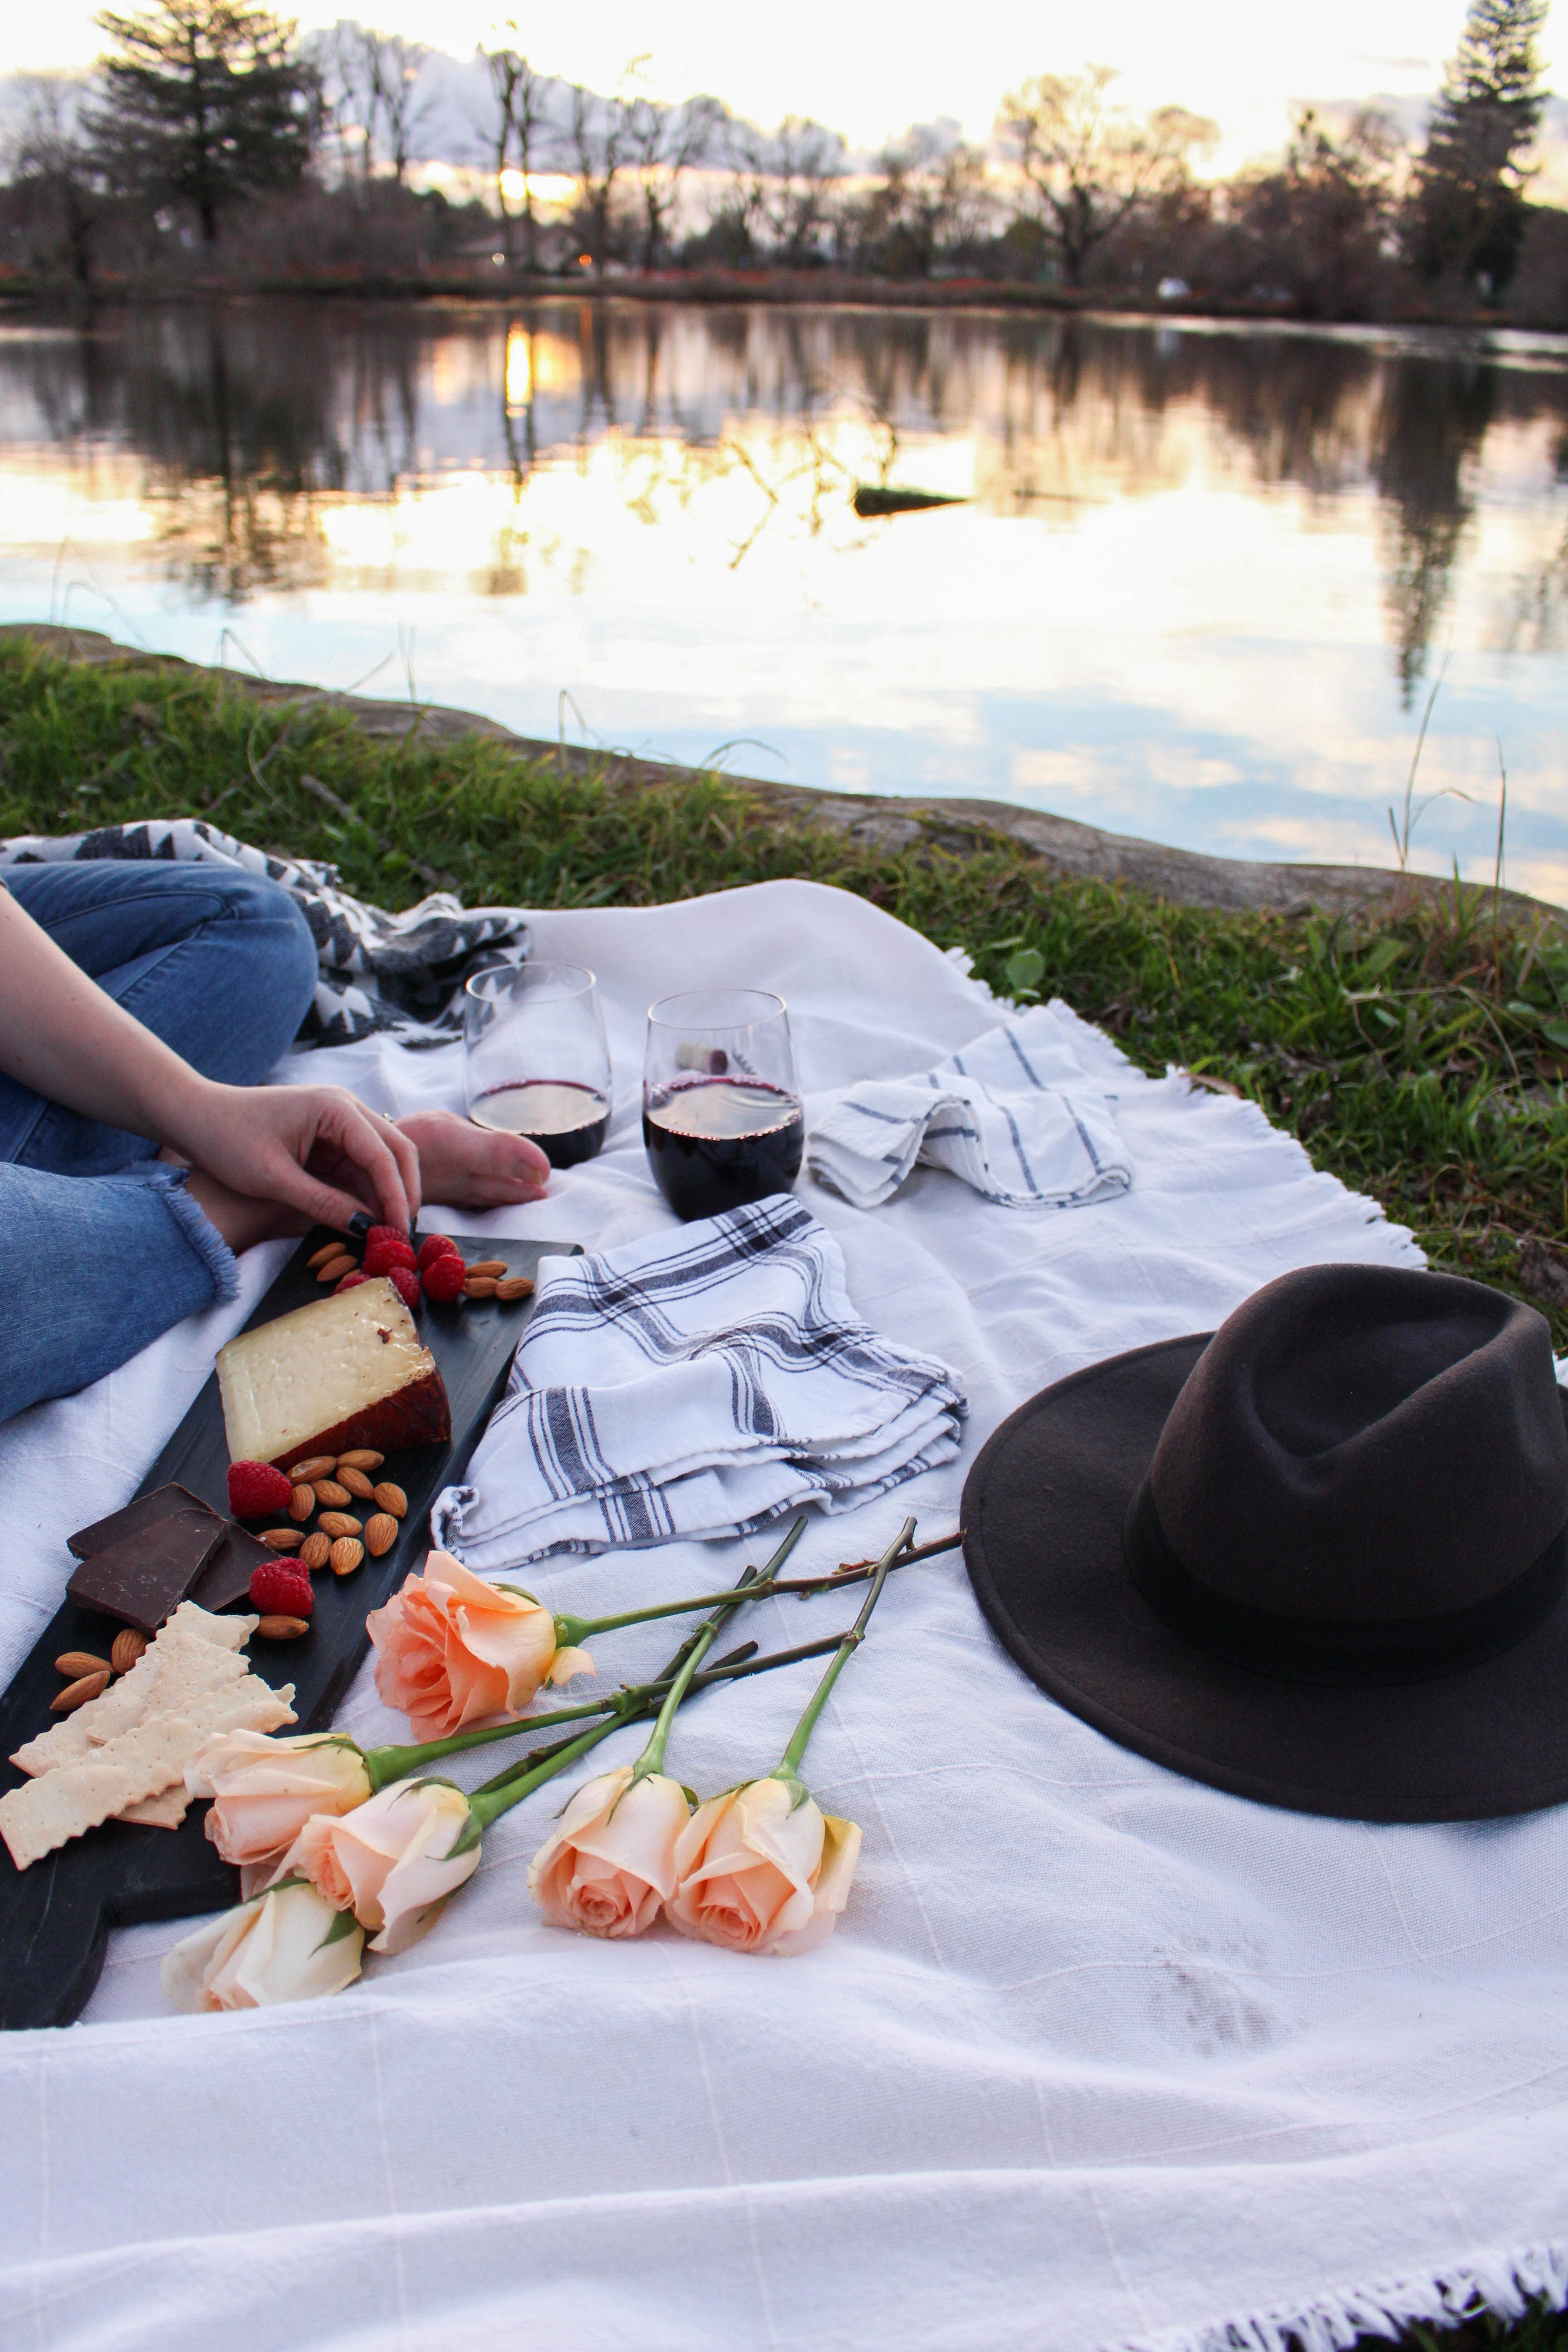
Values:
[(568, 1121), (713, 1143)]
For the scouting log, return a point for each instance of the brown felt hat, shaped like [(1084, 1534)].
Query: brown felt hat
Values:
[(1319, 1556)]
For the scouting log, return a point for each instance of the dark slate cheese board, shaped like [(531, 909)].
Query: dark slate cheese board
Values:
[(54, 1917)]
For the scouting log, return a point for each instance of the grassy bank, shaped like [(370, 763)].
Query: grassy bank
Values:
[(1421, 1056)]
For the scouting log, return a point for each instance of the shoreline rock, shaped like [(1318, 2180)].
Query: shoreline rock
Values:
[(1064, 845)]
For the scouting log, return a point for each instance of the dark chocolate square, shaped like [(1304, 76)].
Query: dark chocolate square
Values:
[(227, 1576), (145, 1512), (144, 1576)]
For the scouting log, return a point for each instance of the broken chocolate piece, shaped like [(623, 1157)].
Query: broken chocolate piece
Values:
[(144, 1576), (144, 1512), (227, 1576)]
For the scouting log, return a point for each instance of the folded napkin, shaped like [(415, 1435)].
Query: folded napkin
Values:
[(1014, 1114), (694, 1384)]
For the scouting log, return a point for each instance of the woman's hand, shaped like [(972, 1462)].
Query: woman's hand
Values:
[(315, 1149)]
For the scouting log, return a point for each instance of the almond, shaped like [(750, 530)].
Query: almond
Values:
[(355, 1482), (283, 1539), (515, 1285), (336, 1523), (125, 1649), (489, 1265), (336, 1267), (380, 1533), (77, 1693), (392, 1498), (320, 1466), (347, 1554), (328, 1491), (303, 1503), (315, 1551), (74, 1664), (283, 1629), (326, 1250), (480, 1286), (361, 1460)]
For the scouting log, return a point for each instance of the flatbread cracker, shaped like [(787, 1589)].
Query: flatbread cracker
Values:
[(166, 1811), (194, 1652)]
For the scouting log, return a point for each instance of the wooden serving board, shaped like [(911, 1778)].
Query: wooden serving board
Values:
[(54, 1917)]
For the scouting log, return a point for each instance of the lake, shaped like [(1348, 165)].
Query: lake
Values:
[(1199, 588)]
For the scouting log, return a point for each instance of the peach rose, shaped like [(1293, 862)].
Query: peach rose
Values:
[(286, 1945), (455, 1650), (264, 1791), (758, 1874), (611, 1861), (390, 1862)]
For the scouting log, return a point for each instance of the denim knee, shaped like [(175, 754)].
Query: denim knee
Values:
[(280, 948)]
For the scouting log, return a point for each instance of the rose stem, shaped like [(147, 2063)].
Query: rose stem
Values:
[(569, 1631), (788, 1767)]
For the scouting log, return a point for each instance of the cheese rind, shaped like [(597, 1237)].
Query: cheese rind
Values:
[(344, 1371)]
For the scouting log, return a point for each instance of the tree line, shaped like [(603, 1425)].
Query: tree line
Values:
[(211, 130)]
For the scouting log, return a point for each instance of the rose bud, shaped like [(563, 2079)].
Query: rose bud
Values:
[(286, 1945), (391, 1860), (264, 1791), (759, 1874), (453, 1650), (610, 1862)]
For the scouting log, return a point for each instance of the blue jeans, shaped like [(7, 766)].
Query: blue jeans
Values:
[(102, 1247)]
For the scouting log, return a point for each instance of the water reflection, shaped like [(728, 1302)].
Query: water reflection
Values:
[(1131, 488)]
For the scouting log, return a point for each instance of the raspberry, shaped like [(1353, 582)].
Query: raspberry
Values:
[(385, 1234), (444, 1275), (405, 1282), (282, 1588), (381, 1255), (351, 1280), (436, 1245), (256, 1489)]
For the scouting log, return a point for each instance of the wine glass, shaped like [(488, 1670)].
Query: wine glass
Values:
[(721, 1115), (535, 1059)]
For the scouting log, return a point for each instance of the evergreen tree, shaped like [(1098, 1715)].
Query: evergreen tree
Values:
[(1468, 207), (207, 103)]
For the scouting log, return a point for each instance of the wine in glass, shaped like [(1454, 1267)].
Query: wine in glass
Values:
[(722, 1116), (536, 1062)]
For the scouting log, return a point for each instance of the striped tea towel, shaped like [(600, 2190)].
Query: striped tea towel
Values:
[(694, 1384), (1014, 1114)]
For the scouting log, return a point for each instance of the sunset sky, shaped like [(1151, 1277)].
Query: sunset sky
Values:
[(871, 71)]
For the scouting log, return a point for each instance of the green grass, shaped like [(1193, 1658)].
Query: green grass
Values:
[(1421, 1056)]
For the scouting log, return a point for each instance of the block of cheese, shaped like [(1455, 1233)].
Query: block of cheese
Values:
[(43, 1812), (193, 1653), (347, 1371)]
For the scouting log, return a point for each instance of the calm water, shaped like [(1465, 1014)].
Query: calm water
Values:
[(1199, 590)]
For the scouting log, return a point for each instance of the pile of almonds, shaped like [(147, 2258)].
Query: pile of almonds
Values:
[(87, 1674), (328, 1483)]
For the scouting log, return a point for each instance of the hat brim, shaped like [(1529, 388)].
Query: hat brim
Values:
[(1043, 1510)]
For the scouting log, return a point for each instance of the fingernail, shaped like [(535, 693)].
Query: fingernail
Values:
[(361, 1222)]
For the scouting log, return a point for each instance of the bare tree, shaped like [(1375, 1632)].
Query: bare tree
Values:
[(1085, 164), (784, 184), (930, 195), (663, 142), (372, 96), (520, 123), (398, 66), (599, 145), (47, 156)]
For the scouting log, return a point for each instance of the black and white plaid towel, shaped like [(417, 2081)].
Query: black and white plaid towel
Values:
[(1015, 1115), (695, 1384), (399, 973)]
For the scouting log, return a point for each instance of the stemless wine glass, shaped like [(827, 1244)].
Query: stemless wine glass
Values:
[(535, 1059), (721, 1115)]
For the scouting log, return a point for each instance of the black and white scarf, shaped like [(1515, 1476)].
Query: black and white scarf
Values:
[(402, 974)]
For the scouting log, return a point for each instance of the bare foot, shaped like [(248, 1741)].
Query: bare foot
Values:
[(242, 1222), (468, 1167)]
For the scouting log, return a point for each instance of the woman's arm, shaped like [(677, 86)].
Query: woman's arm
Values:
[(63, 1037)]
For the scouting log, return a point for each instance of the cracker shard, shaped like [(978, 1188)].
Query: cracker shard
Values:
[(194, 1652), (78, 1795)]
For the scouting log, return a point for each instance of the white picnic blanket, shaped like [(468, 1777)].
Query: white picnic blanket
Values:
[(694, 1383), (1011, 1115), (1098, 2057)]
